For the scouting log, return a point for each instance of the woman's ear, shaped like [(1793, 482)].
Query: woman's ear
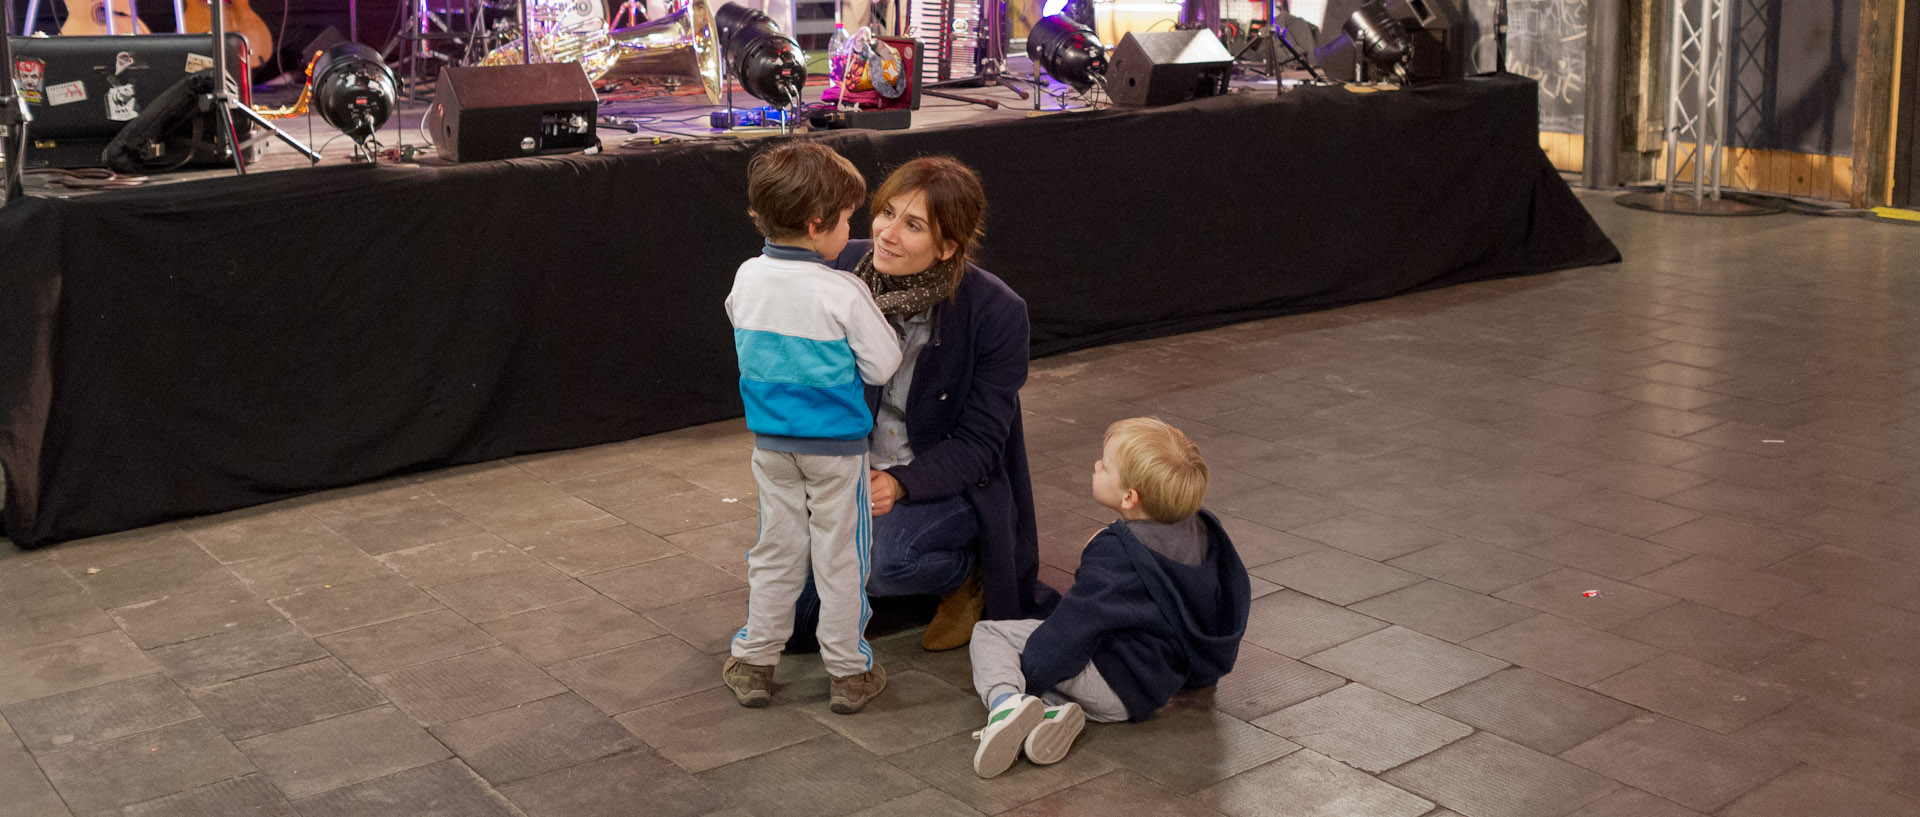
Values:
[(947, 249)]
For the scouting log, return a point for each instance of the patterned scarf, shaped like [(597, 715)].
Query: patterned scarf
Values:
[(907, 294)]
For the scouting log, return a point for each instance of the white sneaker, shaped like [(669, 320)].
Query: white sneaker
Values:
[(1050, 740), (1007, 727)]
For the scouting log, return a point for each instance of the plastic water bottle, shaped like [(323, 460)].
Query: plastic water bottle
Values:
[(837, 53)]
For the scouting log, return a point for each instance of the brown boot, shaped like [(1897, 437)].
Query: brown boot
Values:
[(752, 684), (852, 693), (952, 624)]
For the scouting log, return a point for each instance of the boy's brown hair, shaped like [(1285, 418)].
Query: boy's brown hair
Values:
[(1164, 467), (795, 182)]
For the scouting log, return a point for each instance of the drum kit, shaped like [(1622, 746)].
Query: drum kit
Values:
[(673, 41)]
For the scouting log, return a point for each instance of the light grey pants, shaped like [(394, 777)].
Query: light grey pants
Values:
[(813, 517), (996, 649)]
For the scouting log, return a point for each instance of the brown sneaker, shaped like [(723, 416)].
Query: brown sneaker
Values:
[(852, 693), (752, 684), (952, 624)]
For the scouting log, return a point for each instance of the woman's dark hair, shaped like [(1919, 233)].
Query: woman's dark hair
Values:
[(956, 203)]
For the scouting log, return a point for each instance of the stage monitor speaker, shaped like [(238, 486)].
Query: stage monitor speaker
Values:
[(1165, 67), (504, 111)]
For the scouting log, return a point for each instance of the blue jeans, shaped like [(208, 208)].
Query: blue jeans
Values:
[(919, 548)]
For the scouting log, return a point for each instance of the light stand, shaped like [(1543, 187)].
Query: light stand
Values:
[(13, 116), (224, 105), (992, 67), (1277, 34)]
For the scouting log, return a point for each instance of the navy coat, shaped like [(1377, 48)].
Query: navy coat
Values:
[(963, 421)]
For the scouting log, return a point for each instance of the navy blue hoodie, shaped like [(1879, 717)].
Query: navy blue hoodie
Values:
[(1151, 624)]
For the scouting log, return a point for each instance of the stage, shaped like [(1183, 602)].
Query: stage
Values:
[(210, 344)]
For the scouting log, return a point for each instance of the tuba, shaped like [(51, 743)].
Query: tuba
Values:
[(680, 45)]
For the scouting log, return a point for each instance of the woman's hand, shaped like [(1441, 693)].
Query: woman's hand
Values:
[(884, 490)]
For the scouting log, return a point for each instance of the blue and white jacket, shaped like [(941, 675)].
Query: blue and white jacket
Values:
[(809, 338)]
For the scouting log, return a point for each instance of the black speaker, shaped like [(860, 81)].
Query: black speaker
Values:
[(503, 111), (1164, 67), (1434, 28)]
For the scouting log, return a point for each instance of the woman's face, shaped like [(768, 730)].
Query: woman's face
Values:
[(903, 241)]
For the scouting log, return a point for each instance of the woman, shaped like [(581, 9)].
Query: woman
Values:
[(952, 504)]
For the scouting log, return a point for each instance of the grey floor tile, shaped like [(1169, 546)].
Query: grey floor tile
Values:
[(1629, 802), (458, 559), (68, 721), (1533, 710), (65, 666), (916, 709), (1609, 554), (1844, 741), (1694, 767), (534, 738), (1700, 694), (1186, 748), (320, 757), (1309, 784), (1808, 790), (284, 698), (324, 610), (1849, 620), (1263, 681), (570, 629), (167, 572), (1442, 610), (1336, 576), (1562, 649), (1733, 541), (30, 581), (407, 522), (1406, 664), (463, 686), (290, 571), (142, 767), (707, 730), (1833, 568), (1624, 513), (1755, 505), (1475, 566), (662, 582), (499, 595), (707, 624), (1120, 792), (948, 766), (627, 678), (253, 796), (405, 642), (1296, 625), (192, 615), (1487, 775), (1723, 585), (1595, 601), (444, 789), (600, 549), (23, 787), (253, 533), (1870, 683), (1717, 637), (1371, 535), (236, 654), (1364, 728), (613, 786), (822, 776), (1494, 524), (30, 624)]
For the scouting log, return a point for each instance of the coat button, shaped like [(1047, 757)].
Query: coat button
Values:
[(981, 483), (943, 395)]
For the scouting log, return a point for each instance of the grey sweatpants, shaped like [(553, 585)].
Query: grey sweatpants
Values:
[(813, 516), (996, 649)]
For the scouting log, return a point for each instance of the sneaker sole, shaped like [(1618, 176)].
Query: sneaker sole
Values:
[(753, 700), (998, 751), (843, 706), (1049, 741)]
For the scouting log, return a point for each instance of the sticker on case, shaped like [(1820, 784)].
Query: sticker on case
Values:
[(32, 76), (66, 92), (121, 104), (197, 63), (122, 61)]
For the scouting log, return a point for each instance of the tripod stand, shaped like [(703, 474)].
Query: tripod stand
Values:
[(13, 116), (221, 100), (992, 67), (1274, 38)]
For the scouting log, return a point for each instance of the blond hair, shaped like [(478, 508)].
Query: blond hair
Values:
[(1159, 463), (794, 183)]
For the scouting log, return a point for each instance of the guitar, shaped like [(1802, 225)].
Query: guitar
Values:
[(94, 21), (241, 20)]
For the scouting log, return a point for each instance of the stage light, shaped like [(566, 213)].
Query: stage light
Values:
[(1068, 51), (1380, 39), (353, 89), (768, 63), (1079, 11)]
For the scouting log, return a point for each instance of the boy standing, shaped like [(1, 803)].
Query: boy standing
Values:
[(808, 338), (1158, 605)]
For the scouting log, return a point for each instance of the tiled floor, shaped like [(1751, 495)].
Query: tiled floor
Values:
[(1634, 541)]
